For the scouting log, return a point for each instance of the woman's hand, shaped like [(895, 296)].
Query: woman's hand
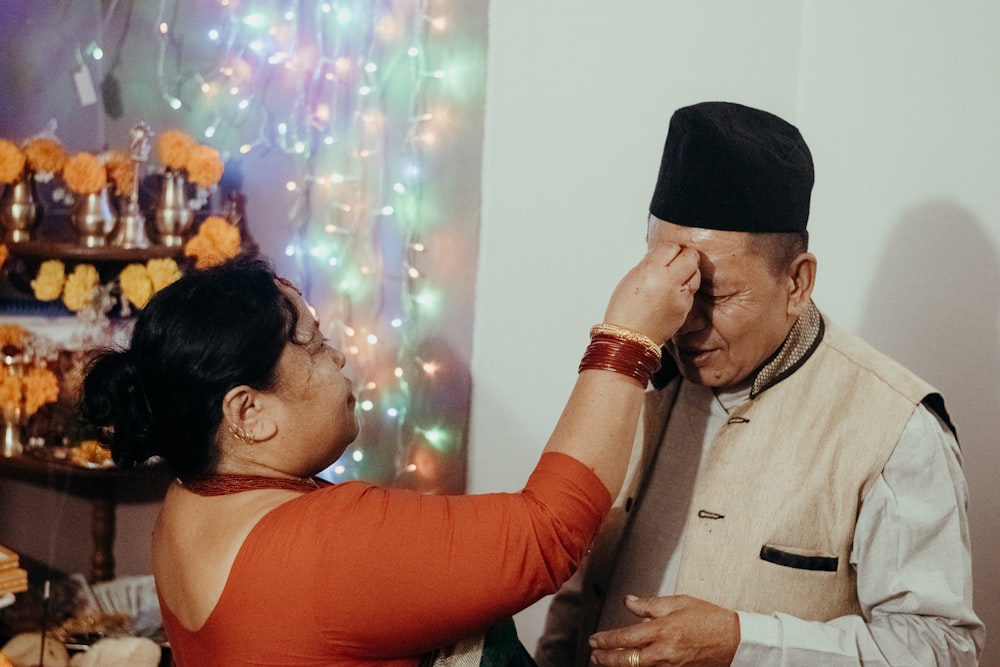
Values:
[(655, 296)]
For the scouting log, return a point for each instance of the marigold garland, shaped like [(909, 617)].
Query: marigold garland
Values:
[(45, 156), (80, 287), (12, 162), (121, 172), (174, 147), (34, 386), (136, 285), (48, 284), (85, 174), (215, 242)]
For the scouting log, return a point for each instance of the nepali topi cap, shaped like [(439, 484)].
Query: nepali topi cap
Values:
[(731, 167)]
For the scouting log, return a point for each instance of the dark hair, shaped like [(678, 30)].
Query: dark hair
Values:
[(779, 248), (196, 339)]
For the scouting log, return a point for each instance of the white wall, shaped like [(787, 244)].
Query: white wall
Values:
[(900, 104)]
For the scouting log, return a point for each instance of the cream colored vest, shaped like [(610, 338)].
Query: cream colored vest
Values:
[(772, 517)]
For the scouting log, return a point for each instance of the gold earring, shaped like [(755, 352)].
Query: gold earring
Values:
[(240, 433)]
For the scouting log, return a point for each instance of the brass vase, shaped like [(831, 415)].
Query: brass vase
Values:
[(93, 219), (173, 214), (19, 209)]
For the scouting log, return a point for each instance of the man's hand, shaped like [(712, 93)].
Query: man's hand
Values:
[(675, 630)]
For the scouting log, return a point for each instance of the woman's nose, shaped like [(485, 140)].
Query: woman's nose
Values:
[(339, 357)]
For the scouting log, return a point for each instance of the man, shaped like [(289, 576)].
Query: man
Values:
[(795, 497)]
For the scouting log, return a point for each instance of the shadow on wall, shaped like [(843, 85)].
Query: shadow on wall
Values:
[(934, 306)]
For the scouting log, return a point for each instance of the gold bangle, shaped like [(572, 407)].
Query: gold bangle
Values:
[(626, 334)]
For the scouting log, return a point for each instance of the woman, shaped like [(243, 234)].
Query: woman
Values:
[(229, 381)]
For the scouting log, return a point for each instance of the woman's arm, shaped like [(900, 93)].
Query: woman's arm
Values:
[(598, 424)]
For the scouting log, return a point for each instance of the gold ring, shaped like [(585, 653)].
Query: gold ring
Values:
[(633, 657)]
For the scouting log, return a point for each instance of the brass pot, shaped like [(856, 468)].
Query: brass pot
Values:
[(93, 219), (173, 214), (19, 210)]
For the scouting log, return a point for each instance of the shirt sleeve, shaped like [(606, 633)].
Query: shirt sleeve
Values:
[(411, 572), (912, 557)]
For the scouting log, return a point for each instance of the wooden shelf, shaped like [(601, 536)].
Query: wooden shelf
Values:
[(72, 251)]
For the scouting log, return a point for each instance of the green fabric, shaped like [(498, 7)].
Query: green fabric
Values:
[(500, 647)]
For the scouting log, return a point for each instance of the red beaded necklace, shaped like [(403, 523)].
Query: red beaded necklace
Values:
[(224, 484)]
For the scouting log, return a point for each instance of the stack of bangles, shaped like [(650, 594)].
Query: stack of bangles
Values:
[(621, 350)]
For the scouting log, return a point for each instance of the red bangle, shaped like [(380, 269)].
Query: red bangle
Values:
[(627, 357)]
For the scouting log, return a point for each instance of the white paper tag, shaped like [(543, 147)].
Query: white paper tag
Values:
[(84, 86)]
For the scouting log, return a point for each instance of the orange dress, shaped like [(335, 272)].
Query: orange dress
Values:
[(355, 574)]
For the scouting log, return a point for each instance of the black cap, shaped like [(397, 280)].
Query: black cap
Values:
[(731, 167)]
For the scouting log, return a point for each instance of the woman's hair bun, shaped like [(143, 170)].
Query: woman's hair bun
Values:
[(115, 402)]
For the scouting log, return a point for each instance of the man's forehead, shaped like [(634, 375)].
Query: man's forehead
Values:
[(696, 237)]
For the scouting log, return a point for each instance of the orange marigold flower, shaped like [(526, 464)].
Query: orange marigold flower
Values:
[(204, 166), (45, 155), (11, 161), (13, 339), (121, 171), (215, 242), (4, 254), (175, 148), (40, 387), (84, 174)]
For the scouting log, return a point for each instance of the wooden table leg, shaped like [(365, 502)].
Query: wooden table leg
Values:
[(102, 529)]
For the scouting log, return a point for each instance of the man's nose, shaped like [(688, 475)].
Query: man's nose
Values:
[(698, 319)]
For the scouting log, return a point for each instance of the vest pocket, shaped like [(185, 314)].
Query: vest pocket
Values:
[(798, 558)]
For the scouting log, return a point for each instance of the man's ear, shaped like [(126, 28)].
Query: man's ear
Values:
[(801, 279), (245, 415)]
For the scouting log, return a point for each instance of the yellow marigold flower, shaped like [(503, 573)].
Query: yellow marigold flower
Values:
[(48, 284), (40, 387), (45, 155), (175, 148), (84, 174), (136, 284), (162, 272), (121, 171), (204, 166), (78, 292), (13, 336), (4, 254), (215, 242), (11, 161)]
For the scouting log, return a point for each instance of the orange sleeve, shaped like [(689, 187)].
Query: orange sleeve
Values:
[(397, 573)]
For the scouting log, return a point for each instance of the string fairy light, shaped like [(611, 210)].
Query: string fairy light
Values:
[(348, 90)]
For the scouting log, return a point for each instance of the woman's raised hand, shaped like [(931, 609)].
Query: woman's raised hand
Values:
[(655, 296)]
